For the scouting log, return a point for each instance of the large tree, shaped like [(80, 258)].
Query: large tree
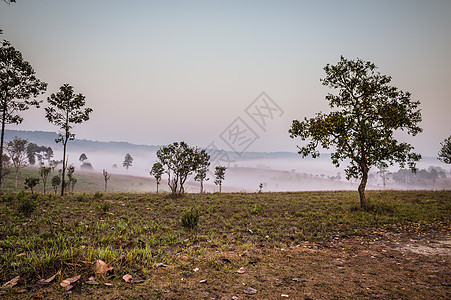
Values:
[(445, 152), (66, 109), (18, 88), (366, 111), (179, 161)]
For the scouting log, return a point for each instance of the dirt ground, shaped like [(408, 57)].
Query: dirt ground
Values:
[(382, 265)]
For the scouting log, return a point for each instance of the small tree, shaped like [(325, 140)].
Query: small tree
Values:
[(17, 151), (31, 182), (106, 177), (202, 168), (128, 161), (445, 152), (179, 160), (220, 176), (157, 171), (18, 83), (82, 158), (44, 172), (56, 181), (71, 179), (66, 109), (384, 174), (366, 113)]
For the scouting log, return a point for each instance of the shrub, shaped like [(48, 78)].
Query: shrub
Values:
[(98, 195), (8, 198), (82, 198), (190, 218), (26, 206), (256, 209)]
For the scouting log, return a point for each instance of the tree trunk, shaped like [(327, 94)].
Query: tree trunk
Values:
[(1, 145), (17, 175), (201, 186), (157, 186), (362, 186), (105, 185), (220, 187), (63, 175)]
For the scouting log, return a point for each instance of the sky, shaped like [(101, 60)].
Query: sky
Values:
[(156, 72)]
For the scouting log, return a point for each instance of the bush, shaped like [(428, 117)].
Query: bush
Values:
[(8, 198), (256, 209), (98, 195), (26, 206), (190, 218), (82, 198)]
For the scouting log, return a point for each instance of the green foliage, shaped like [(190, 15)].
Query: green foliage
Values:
[(82, 198), (190, 218), (31, 182), (180, 160), (56, 181), (366, 113), (256, 209), (98, 195), (445, 152), (66, 109), (219, 175), (157, 171), (18, 84), (26, 206)]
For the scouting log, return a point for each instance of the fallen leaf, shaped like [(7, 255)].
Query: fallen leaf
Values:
[(92, 281), (102, 267), (108, 284), (21, 254), (284, 295), (136, 280), (161, 265), (66, 282), (50, 279), (11, 283), (202, 281), (196, 269), (241, 271), (250, 291), (127, 277)]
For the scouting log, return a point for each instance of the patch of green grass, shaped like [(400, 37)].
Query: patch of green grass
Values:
[(138, 230)]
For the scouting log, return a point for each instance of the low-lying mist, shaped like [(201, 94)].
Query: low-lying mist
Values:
[(287, 173)]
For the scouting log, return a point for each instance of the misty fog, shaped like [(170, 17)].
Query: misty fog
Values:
[(285, 173)]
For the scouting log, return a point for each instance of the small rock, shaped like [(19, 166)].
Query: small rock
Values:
[(202, 281), (195, 269), (295, 279), (284, 295), (250, 291), (241, 271)]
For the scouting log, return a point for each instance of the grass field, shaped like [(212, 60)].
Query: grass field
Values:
[(308, 245)]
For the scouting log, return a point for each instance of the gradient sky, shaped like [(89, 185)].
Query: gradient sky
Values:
[(156, 72)]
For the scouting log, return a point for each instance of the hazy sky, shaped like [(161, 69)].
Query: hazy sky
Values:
[(156, 72)]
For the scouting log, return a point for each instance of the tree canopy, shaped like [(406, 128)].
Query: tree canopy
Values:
[(366, 111), (66, 109), (18, 83), (445, 152), (179, 160)]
